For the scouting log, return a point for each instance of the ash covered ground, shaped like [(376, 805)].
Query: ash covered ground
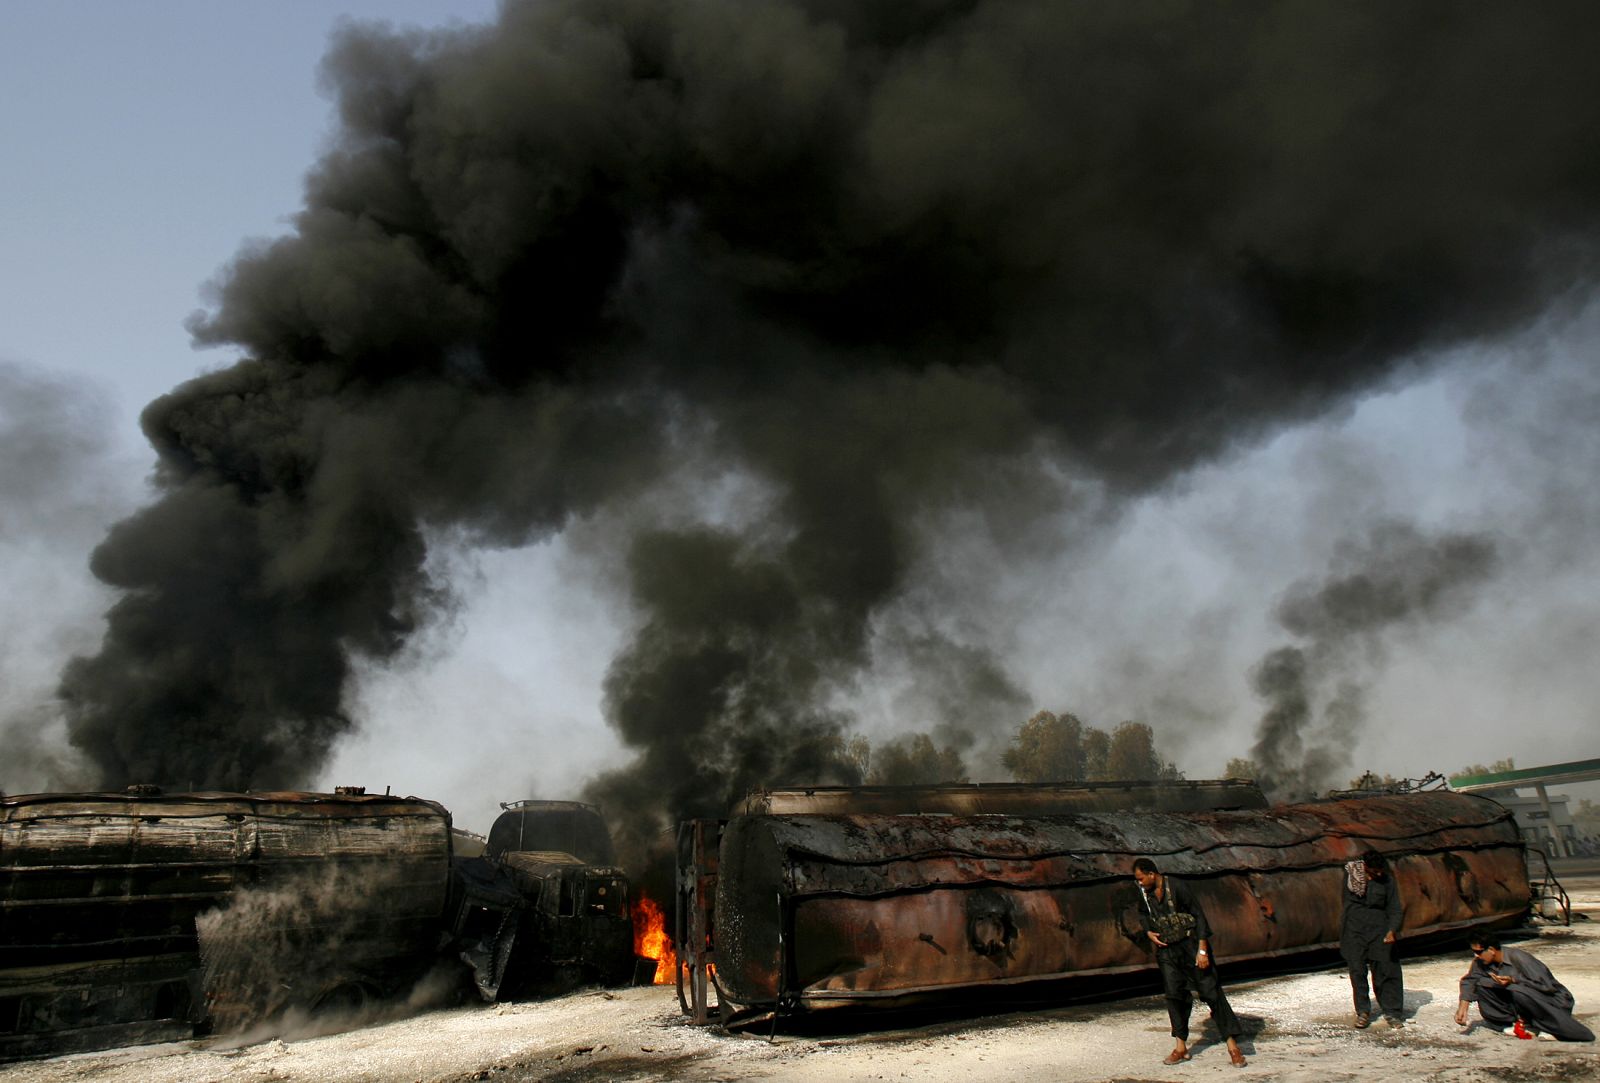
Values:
[(1300, 1027)]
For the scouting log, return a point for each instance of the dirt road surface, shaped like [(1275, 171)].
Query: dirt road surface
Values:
[(1300, 1031)]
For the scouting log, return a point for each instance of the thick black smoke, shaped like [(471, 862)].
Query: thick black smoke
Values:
[(870, 256), (1316, 692)]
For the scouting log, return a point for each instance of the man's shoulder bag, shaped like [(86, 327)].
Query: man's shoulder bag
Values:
[(1170, 925)]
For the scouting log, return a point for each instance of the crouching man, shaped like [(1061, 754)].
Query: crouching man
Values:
[(1510, 987)]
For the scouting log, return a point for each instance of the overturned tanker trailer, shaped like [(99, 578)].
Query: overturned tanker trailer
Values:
[(145, 916), (823, 910), (700, 841)]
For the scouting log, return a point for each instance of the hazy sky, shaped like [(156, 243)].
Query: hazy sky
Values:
[(145, 143)]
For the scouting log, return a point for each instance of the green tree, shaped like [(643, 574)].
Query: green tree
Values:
[(1133, 753), (1048, 748), (1241, 767), (916, 761), (1096, 754), (1051, 747), (1133, 757)]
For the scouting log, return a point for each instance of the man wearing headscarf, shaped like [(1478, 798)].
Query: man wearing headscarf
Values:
[(1367, 935)]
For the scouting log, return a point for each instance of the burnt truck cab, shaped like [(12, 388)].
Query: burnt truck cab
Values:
[(544, 910)]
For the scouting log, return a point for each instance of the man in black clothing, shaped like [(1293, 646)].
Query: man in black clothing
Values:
[(1372, 915), (1510, 987), (1176, 924)]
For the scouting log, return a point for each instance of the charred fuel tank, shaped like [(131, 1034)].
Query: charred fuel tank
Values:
[(136, 917), (699, 841), (544, 909), (816, 910)]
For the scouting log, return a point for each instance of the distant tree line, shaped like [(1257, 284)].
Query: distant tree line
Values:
[(1495, 768), (1060, 747), (1241, 767), (1048, 747), (911, 760), (1054, 747)]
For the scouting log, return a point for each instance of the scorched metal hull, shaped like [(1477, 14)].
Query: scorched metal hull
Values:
[(815, 909), (127, 918)]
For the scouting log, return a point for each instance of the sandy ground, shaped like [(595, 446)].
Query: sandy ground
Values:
[(1300, 1031)]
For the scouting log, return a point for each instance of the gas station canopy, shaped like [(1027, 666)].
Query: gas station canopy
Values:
[(1552, 775)]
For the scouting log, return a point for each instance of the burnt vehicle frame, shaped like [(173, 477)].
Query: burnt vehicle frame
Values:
[(699, 841), (137, 917), (544, 908), (824, 910), (144, 916)]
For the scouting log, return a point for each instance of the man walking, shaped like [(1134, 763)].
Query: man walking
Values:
[(1176, 924), (1371, 925), (1514, 990)]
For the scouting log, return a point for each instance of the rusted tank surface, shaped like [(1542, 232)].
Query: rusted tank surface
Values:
[(699, 841), (135, 917), (698, 850), (1007, 798), (813, 910)]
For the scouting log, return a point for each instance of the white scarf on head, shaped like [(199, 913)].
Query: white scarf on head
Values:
[(1355, 878)]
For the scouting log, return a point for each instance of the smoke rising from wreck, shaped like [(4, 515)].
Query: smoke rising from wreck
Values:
[(57, 490), (871, 256), (1393, 578)]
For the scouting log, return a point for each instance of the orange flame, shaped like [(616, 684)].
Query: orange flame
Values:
[(650, 938)]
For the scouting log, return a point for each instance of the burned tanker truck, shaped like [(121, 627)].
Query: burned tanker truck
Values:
[(960, 893), (142, 916), (545, 908)]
